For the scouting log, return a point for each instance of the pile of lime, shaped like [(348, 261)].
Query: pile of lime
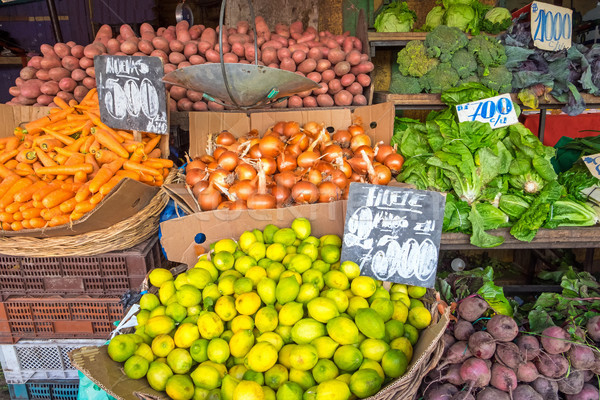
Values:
[(274, 315)]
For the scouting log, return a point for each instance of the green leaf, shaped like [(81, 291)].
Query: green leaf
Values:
[(546, 300), (494, 295), (539, 320), (480, 238)]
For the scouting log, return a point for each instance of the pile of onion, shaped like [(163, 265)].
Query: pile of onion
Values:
[(290, 164)]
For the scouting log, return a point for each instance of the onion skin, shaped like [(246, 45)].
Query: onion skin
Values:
[(307, 159), (383, 151), (193, 176), (286, 162), (269, 165), (254, 151), (394, 162), (243, 189), (218, 151), (228, 160), (278, 128), (238, 205), (270, 146), (329, 191), (315, 177), (382, 175), (225, 139), (199, 187), (291, 128), (332, 152), (209, 199), (342, 138), (305, 193), (261, 201), (359, 140), (312, 128), (358, 164), (339, 179), (282, 194), (286, 179), (195, 164), (245, 171), (356, 130)]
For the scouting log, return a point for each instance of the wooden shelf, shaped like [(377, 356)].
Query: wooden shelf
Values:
[(11, 61), (561, 238), (432, 101)]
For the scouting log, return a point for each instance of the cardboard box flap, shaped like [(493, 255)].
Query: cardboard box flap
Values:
[(125, 200), (178, 235), (95, 363), (214, 123), (182, 196), (378, 120)]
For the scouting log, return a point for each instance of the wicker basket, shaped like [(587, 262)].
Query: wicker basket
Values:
[(120, 236), (427, 354)]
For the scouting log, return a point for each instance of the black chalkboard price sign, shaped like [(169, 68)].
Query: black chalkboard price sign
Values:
[(131, 93), (394, 233)]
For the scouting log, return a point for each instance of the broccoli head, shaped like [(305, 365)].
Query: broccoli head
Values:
[(470, 79), (464, 63), (439, 79), (498, 78), (488, 51), (401, 84), (443, 41), (414, 61)]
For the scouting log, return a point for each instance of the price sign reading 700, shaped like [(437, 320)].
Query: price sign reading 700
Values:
[(497, 111)]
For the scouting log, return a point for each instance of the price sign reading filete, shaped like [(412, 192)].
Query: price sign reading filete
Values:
[(551, 26), (497, 111), (131, 93), (394, 233)]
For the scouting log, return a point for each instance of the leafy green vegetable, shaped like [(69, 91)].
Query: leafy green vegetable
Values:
[(395, 17), (494, 295), (480, 237), (571, 213), (488, 51), (464, 63), (401, 84), (434, 18), (513, 205), (466, 93), (576, 179), (496, 20), (439, 78), (456, 215), (536, 215), (463, 17), (498, 78)]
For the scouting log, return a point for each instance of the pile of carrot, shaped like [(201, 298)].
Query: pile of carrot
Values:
[(55, 169)]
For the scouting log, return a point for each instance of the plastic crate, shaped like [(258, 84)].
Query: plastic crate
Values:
[(78, 317), (41, 359), (45, 390), (105, 274)]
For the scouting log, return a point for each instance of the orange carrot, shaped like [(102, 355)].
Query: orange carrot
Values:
[(6, 226), (85, 131), (56, 197), (17, 216), (26, 156), (6, 217), (105, 156), (49, 213), (8, 197), (85, 148), (13, 207), (140, 168), (27, 193), (72, 103), (91, 159), (26, 224), (95, 146), (129, 174), (11, 164), (49, 143), (84, 207), (80, 177), (59, 220), (43, 192), (60, 103), (77, 144), (16, 226), (65, 152), (83, 193), (89, 97), (5, 172), (26, 206), (108, 186), (104, 174), (70, 185), (68, 205), (156, 153), (152, 143), (31, 213), (37, 223), (107, 140), (7, 155), (65, 169), (23, 169), (44, 157), (125, 135), (75, 216), (97, 198), (12, 143), (62, 137), (138, 155)]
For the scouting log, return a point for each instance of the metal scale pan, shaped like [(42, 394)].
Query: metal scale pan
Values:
[(241, 86)]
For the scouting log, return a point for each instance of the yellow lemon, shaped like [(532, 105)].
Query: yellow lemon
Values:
[(325, 346), (363, 286), (159, 325), (145, 351), (248, 390), (241, 342), (324, 370), (188, 295), (266, 290), (394, 363), (322, 309), (403, 344), (228, 245), (225, 308), (304, 357), (149, 301), (226, 283), (333, 389), (228, 385), (343, 330), (350, 269), (416, 292), (266, 319), (276, 376), (198, 350), (162, 345), (365, 382), (303, 378), (244, 263), (243, 285), (255, 274), (241, 322), (339, 298), (237, 371), (261, 357), (411, 333), (158, 276), (374, 365), (348, 358), (206, 377), (209, 266), (218, 350), (180, 361), (355, 303), (273, 338), (210, 325), (247, 303), (180, 387), (400, 311), (419, 317), (306, 330), (284, 355), (336, 279), (374, 349), (199, 277), (158, 374), (185, 335)]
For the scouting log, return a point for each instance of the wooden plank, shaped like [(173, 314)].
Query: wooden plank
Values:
[(11, 61), (560, 238)]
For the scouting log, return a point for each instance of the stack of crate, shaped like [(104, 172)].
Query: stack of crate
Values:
[(50, 306)]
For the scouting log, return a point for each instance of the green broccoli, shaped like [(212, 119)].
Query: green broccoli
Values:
[(439, 79), (470, 79), (414, 61), (464, 63), (488, 51), (443, 41), (499, 79), (401, 84)]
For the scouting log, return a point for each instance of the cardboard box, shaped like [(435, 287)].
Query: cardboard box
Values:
[(178, 235), (125, 200)]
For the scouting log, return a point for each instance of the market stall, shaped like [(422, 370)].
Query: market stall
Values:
[(274, 209)]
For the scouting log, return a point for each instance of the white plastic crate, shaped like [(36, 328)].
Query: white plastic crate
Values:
[(41, 359)]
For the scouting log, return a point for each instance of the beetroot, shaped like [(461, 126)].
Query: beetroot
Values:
[(571, 384), (490, 393), (457, 353), (463, 396), (555, 340), (547, 388), (475, 372), (578, 333), (472, 308), (589, 392), (449, 340), (593, 328), (509, 355), (527, 372), (503, 378), (529, 346), (482, 345), (552, 365), (503, 328), (581, 357), (443, 392), (463, 330), (526, 392)]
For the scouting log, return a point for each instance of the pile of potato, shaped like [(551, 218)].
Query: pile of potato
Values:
[(336, 62)]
